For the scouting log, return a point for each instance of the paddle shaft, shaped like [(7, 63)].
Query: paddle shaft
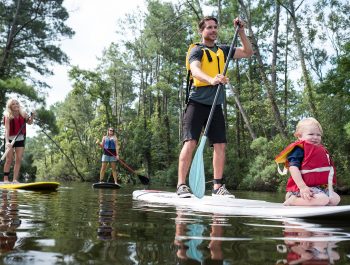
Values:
[(121, 161), (221, 85), (14, 139)]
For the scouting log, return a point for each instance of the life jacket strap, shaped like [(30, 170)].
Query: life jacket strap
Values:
[(330, 177), (210, 59), (284, 172), (330, 182), (318, 169)]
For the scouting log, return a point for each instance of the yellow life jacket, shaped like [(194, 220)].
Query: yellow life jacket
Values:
[(212, 64)]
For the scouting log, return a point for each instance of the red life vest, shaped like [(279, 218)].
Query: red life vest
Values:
[(16, 124), (316, 166)]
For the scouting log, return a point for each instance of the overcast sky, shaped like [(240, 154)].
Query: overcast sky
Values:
[(95, 24)]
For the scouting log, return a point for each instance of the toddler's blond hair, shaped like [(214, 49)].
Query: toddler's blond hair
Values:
[(305, 123)]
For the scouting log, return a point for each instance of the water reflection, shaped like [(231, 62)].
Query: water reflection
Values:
[(200, 238), (190, 235), (9, 220), (106, 214), (306, 243)]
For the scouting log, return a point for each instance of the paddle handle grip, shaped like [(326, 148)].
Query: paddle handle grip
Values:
[(230, 53), (5, 153)]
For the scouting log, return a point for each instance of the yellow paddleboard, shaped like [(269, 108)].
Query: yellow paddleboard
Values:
[(40, 186)]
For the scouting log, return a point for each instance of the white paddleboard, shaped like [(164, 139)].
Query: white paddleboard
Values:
[(241, 207)]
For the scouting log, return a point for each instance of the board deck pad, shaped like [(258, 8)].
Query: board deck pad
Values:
[(105, 185), (239, 207), (40, 186)]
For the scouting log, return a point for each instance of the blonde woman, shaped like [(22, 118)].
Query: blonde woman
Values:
[(110, 154), (15, 120)]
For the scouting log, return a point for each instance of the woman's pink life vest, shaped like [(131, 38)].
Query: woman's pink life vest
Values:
[(16, 124), (316, 168)]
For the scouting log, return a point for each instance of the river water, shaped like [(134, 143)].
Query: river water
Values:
[(80, 225)]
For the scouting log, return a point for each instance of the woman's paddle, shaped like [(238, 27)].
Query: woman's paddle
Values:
[(14, 139), (143, 179), (197, 176)]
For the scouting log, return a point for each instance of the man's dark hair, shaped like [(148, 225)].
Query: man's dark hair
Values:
[(201, 24)]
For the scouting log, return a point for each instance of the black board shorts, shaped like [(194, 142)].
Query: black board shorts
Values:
[(195, 119)]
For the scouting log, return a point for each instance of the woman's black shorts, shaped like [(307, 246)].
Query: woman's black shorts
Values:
[(19, 144)]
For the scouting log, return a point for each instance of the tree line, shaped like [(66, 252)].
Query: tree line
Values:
[(299, 68)]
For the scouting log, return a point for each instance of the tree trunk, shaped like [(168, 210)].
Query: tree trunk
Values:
[(69, 160), (298, 40), (266, 82), (243, 113), (12, 33), (286, 73), (274, 49)]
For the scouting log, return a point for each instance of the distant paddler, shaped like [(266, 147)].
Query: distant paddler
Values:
[(110, 154), (15, 120)]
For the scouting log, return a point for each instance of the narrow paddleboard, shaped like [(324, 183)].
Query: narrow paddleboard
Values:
[(241, 207), (39, 186), (105, 185)]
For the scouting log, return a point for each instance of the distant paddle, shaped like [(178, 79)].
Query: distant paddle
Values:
[(197, 175), (143, 179)]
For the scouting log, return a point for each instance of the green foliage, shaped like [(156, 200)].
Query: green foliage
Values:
[(17, 85), (334, 102), (262, 174), (27, 167), (46, 119), (30, 32), (29, 35), (167, 176), (347, 130)]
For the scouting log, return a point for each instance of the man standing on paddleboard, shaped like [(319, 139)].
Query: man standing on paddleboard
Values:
[(206, 62)]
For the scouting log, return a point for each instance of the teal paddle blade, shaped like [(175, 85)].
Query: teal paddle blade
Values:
[(197, 177)]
